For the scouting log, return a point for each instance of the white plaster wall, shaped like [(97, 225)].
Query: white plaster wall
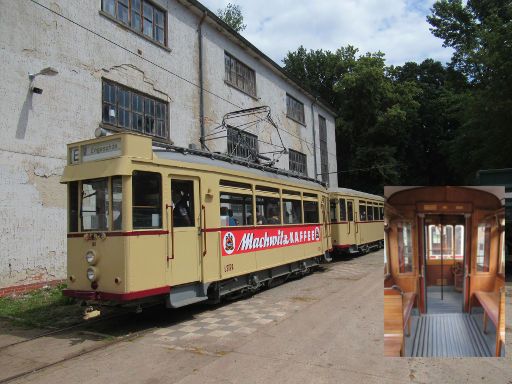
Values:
[(35, 129)]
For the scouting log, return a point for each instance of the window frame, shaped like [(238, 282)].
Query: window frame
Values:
[(289, 110), (128, 24), (324, 154), (230, 133), (115, 126), (161, 199), (298, 162), (238, 64)]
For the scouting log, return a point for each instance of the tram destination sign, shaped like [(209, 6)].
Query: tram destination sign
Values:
[(242, 240), (100, 151)]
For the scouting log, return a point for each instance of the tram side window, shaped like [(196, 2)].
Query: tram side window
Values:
[(311, 212), (235, 209), (73, 206), (147, 200), (292, 211), (369, 213), (404, 248), (268, 210), (350, 210), (362, 212), (117, 203), (483, 247), (182, 192), (95, 202), (376, 213), (381, 212), (343, 210), (333, 211)]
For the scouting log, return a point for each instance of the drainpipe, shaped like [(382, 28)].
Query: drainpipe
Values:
[(314, 135), (201, 88)]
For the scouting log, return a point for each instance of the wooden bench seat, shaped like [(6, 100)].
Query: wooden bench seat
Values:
[(493, 304), (397, 311)]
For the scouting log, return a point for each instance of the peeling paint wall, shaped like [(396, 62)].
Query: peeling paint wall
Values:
[(35, 128)]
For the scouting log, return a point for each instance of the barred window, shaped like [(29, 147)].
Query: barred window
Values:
[(240, 75), (242, 144), (298, 162), (324, 158), (295, 109), (140, 15), (128, 109)]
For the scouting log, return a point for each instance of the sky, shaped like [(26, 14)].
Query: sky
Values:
[(398, 28)]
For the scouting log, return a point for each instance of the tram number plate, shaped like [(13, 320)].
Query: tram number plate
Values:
[(229, 267)]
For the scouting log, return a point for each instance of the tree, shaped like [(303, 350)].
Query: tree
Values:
[(232, 16), (480, 33)]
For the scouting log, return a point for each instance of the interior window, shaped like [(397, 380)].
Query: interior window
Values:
[(268, 210), (147, 200), (182, 192), (343, 210), (235, 209), (311, 212), (95, 202), (459, 242), (117, 203), (483, 247), (501, 267), (404, 248)]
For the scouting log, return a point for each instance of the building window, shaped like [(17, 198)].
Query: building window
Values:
[(324, 158), (298, 162), (240, 75), (141, 16), (128, 109), (295, 109), (242, 144)]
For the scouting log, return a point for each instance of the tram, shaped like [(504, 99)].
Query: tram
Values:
[(183, 226), (444, 285), (356, 221)]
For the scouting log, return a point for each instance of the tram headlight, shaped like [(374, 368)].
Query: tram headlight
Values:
[(92, 274), (90, 257)]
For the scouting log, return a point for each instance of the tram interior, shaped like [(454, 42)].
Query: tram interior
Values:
[(444, 284)]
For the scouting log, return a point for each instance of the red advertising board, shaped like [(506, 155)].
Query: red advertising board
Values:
[(235, 241)]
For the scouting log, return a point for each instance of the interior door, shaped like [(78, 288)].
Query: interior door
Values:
[(185, 234)]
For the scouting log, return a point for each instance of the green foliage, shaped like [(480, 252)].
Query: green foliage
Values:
[(232, 16), (480, 32)]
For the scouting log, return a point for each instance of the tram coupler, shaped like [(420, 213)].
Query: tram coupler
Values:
[(91, 313)]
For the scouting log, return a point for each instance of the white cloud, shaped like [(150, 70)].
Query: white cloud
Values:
[(396, 27)]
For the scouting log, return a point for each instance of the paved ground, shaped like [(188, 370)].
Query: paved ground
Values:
[(324, 328)]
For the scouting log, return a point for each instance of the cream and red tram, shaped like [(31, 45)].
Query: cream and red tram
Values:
[(356, 220), (444, 271), (171, 223)]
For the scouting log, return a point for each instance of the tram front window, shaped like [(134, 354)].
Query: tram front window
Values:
[(95, 202)]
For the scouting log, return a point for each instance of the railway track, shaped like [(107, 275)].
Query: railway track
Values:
[(114, 329)]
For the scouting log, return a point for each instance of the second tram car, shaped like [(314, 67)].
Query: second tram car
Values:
[(174, 224), (357, 220)]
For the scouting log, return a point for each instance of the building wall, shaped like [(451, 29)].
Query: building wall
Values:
[(36, 128)]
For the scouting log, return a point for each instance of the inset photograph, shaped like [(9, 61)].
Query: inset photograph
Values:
[(444, 286)]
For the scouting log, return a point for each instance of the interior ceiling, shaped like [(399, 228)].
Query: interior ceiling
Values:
[(499, 192)]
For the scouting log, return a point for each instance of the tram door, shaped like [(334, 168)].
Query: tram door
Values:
[(351, 224), (184, 230)]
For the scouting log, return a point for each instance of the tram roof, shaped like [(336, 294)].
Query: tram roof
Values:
[(353, 192), (219, 160)]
